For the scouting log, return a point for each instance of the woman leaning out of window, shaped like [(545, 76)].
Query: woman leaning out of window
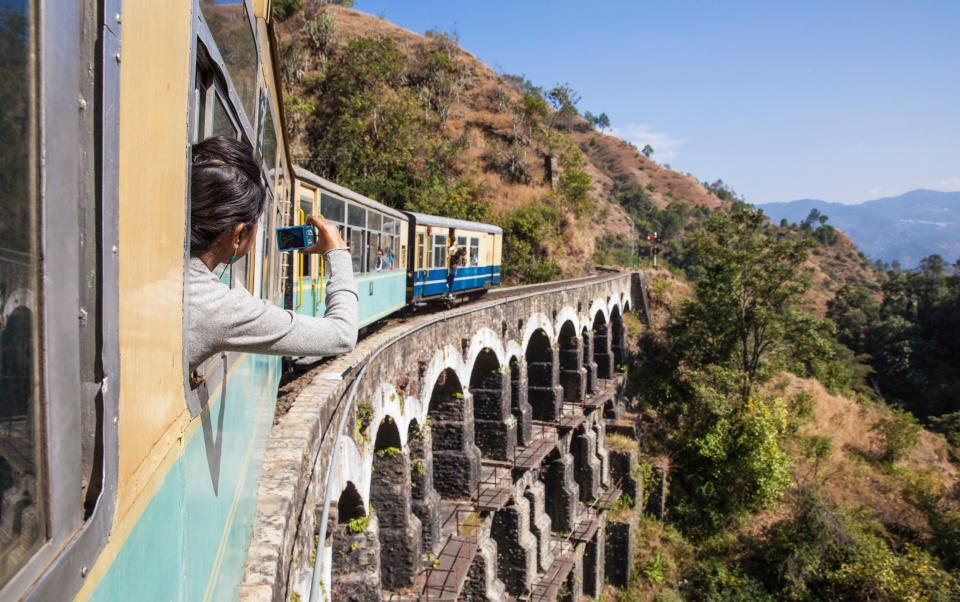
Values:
[(227, 200)]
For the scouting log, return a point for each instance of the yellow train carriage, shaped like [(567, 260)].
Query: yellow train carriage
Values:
[(123, 477), (452, 257)]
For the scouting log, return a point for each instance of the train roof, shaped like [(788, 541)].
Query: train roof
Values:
[(341, 191), (449, 222)]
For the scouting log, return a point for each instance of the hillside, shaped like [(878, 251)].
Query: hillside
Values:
[(904, 228), (418, 123)]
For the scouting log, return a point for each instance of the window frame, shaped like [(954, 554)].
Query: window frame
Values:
[(439, 242)]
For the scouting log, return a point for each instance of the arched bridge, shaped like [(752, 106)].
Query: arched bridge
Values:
[(473, 464)]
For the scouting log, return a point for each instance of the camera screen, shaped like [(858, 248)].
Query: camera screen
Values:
[(291, 238)]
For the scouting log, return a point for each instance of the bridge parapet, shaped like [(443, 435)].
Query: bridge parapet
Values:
[(492, 366)]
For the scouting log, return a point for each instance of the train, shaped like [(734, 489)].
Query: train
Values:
[(400, 258), (123, 474)]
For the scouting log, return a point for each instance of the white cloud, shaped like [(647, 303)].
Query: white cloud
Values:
[(640, 134)]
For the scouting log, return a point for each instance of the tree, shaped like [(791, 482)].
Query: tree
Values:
[(564, 100), (647, 151), (603, 121), (748, 283)]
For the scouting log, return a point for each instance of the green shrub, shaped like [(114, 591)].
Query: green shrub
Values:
[(898, 432)]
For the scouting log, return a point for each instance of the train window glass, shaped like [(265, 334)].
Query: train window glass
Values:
[(474, 251), (374, 252), (332, 208), (389, 252), (389, 225), (439, 251), (230, 25), (267, 134), (21, 473), (356, 216), (222, 124), (356, 249), (374, 220), (462, 244)]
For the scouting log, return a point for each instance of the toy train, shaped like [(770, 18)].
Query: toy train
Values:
[(123, 476), (399, 257)]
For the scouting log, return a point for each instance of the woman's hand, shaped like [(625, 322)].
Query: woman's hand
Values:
[(328, 237)]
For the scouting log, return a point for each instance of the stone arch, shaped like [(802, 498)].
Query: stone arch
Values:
[(537, 322), (543, 387), (355, 567), (566, 314), (425, 500), (572, 374), (496, 428), (456, 459), (390, 498), (598, 306), (602, 354), (350, 504)]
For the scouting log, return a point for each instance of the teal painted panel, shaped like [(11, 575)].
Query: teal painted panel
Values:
[(380, 295), (190, 542)]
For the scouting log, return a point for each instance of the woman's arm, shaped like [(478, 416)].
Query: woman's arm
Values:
[(258, 326)]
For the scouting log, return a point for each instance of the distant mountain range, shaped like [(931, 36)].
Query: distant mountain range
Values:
[(905, 228)]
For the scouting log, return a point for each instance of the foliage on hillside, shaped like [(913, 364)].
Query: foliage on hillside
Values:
[(780, 488), (419, 124), (910, 337)]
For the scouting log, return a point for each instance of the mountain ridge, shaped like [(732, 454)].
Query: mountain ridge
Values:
[(903, 228)]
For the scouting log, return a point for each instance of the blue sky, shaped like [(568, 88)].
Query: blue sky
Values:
[(844, 101)]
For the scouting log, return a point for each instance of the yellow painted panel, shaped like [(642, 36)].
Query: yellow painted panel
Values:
[(154, 108)]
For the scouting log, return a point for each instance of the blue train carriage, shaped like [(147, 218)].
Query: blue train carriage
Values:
[(433, 239), (377, 236)]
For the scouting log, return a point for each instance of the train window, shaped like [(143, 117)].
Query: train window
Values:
[(462, 244), (375, 258), (222, 124), (229, 23), (356, 249), (389, 254), (374, 220), (356, 216), (267, 134), (439, 251), (474, 251), (332, 208), (21, 473)]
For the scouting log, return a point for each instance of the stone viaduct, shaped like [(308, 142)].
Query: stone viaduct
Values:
[(473, 465)]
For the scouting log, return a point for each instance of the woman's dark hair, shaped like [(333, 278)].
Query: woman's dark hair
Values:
[(225, 190)]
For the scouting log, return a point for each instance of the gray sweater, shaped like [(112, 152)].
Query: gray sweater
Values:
[(225, 319)]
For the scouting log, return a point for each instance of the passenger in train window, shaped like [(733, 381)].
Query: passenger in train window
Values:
[(227, 200), (379, 259)]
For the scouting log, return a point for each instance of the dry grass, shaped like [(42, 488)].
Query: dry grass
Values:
[(850, 476), (621, 443)]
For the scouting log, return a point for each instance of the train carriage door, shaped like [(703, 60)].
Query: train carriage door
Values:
[(422, 261)]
